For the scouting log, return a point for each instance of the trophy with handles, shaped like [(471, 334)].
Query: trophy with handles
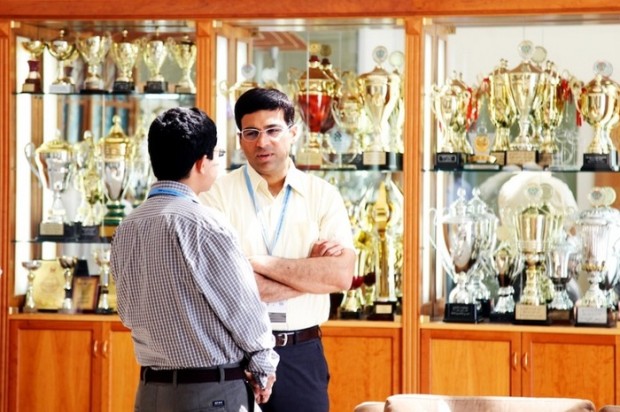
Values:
[(184, 53), (93, 50), (125, 55), (33, 81), (64, 51), (154, 54)]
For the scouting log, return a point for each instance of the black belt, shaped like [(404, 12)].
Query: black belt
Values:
[(293, 337), (191, 375)]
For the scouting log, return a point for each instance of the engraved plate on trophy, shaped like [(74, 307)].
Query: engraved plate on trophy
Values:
[(93, 50), (125, 55), (64, 52), (116, 153), (597, 103), (154, 54), (52, 164), (184, 54), (33, 81)]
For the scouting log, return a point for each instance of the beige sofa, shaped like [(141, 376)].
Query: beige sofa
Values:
[(442, 403)]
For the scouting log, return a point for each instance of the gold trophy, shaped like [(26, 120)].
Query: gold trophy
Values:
[(125, 55), (33, 81), (88, 183), (52, 163), (348, 114), (116, 151), (68, 263), (550, 113), (64, 52), (314, 93), (154, 53), (184, 53), (502, 110), (525, 82), (396, 121), (93, 50), (29, 304), (380, 92), (597, 102)]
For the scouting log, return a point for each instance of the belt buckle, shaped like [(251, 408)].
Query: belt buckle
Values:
[(282, 336)]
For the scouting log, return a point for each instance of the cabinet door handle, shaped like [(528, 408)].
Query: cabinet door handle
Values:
[(104, 349), (525, 361), (515, 360), (96, 348)]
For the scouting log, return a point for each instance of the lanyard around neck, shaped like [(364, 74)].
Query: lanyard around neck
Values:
[(167, 191), (287, 194)]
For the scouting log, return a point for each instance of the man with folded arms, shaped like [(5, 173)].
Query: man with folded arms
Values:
[(295, 229), (184, 286)]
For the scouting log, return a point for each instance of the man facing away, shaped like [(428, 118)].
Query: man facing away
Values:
[(295, 229), (185, 288)]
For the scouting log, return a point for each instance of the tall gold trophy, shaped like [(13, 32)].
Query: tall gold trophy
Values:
[(93, 50), (116, 152), (33, 81), (184, 54), (502, 110), (154, 53), (550, 113), (64, 52), (125, 55)]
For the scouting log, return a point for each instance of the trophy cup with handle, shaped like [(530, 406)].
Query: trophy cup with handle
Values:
[(93, 50), (141, 171), (597, 102), (184, 54), (29, 304), (549, 115), (68, 263), (33, 81), (348, 114), (154, 54), (125, 55), (560, 265), (53, 163), (507, 263), (88, 182), (116, 152), (502, 110), (102, 258), (64, 52)]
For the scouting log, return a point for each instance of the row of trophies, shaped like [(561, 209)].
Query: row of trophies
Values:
[(66, 301), (349, 120), (539, 248), (535, 97), (115, 169), (125, 53)]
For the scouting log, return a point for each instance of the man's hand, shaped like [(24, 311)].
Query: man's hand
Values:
[(323, 248), (261, 395)]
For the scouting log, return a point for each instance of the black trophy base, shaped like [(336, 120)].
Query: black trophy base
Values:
[(156, 87), (382, 311), (462, 313), (54, 232), (561, 316), (449, 161), (531, 315), (595, 317), (348, 315), (507, 317), (123, 87), (87, 233), (379, 160), (521, 157), (485, 307), (594, 162), (105, 311)]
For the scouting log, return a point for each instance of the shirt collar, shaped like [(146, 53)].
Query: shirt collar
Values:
[(180, 187), (294, 178)]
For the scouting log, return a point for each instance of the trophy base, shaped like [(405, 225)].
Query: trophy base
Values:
[(382, 311), (93, 91), (184, 89), (105, 311), (545, 159), (500, 157), (123, 87), (381, 160), (309, 160), (462, 313), (481, 166), (485, 307), (156, 87), (335, 300), (32, 86), (600, 162), (507, 317), (449, 161), (348, 315), (54, 232), (107, 231), (27, 309), (87, 233), (531, 315), (597, 317), (337, 161), (561, 316), (521, 157), (62, 88)]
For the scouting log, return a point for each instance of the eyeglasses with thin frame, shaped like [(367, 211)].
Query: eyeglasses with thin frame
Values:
[(274, 133)]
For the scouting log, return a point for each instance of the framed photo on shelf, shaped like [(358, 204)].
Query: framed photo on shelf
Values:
[(85, 293), (49, 286)]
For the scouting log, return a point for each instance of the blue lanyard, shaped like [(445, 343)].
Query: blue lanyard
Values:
[(166, 191), (276, 236)]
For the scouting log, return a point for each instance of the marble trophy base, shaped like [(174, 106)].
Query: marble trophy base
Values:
[(62, 88), (382, 311), (598, 317), (521, 157), (32, 86), (123, 87), (381, 160), (531, 315), (462, 313), (449, 161), (600, 162), (156, 87)]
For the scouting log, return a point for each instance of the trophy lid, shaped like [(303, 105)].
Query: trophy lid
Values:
[(116, 143), (57, 145)]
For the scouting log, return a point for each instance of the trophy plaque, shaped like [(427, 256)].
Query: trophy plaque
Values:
[(29, 304), (125, 55), (596, 102), (154, 54), (53, 163), (184, 54), (33, 81), (64, 52), (93, 50)]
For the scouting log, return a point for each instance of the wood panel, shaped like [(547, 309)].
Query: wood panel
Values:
[(121, 371), (364, 364)]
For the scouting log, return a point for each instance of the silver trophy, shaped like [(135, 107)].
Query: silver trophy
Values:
[(29, 304), (154, 53), (68, 263), (102, 258), (93, 50), (561, 267), (508, 264)]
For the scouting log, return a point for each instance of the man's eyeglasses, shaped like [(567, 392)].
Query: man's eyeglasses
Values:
[(274, 133)]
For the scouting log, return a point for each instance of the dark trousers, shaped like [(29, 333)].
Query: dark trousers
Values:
[(301, 379), (227, 396)]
